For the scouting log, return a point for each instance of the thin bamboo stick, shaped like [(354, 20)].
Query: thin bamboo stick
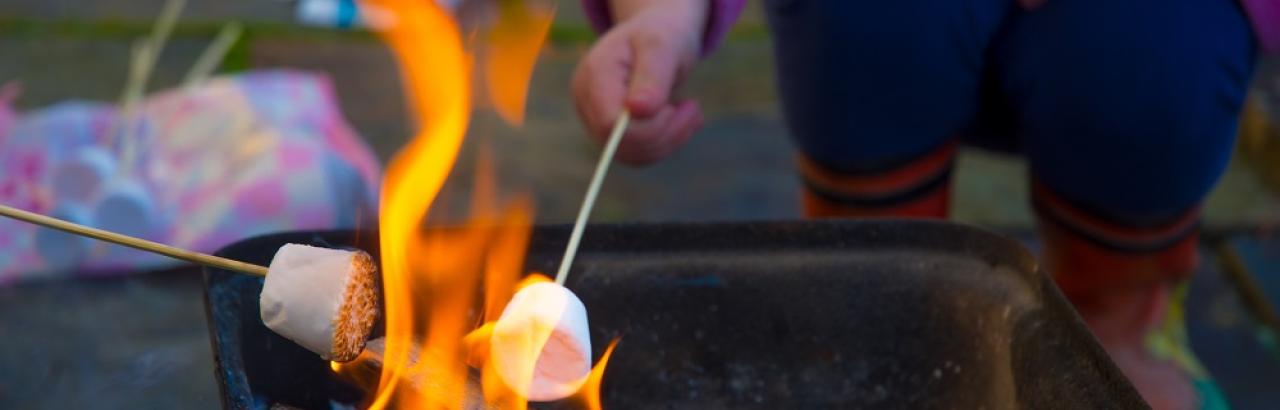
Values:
[(132, 242), (597, 179)]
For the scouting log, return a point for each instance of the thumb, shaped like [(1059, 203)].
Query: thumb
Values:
[(653, 75)]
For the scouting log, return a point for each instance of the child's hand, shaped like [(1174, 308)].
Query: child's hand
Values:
[(635, 66)]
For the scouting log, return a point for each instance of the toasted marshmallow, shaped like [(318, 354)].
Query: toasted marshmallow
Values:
[(541, 346), (322, 299)]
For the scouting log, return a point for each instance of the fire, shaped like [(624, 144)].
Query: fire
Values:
[(589, 395), (434, 67), (444, 288), (512, 50)]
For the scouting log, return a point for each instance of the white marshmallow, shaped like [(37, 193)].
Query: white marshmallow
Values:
[(323, 299), (541, 346)]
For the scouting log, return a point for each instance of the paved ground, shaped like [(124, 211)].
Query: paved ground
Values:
[(141, 343)]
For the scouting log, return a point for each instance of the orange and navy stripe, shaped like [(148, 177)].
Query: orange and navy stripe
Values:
[(918, 188), (1089, 254)]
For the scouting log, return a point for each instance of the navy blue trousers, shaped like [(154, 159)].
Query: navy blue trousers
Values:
[(1127, 108)]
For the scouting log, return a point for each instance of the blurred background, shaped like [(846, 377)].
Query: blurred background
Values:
[(140, 340)]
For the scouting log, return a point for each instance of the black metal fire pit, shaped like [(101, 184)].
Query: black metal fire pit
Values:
[(878, 314)]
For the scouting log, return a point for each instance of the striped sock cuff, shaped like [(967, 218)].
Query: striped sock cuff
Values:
[(1088, 254), (919, 188)]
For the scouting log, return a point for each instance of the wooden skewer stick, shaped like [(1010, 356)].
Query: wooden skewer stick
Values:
[(602, 168), (136, 243)]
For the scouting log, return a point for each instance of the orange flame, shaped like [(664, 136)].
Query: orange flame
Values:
[(435, 326), (513, 45), (434, 67), (589, 395)]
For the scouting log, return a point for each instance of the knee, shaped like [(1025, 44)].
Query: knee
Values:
[(1150, 156), (859, 90), (1128, 121)]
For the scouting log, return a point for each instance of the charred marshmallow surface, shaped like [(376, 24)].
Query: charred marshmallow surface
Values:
[(323, 299), (541, 345)]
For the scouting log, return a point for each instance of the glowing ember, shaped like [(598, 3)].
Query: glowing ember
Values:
[(445, 288)]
